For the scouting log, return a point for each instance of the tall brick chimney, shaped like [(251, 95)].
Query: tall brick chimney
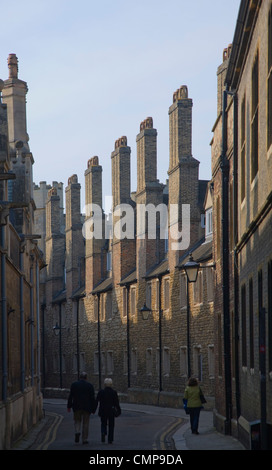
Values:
[(183, 171), (149, 191), (54, 246), (94, 259), (123, 250), (74, 239)]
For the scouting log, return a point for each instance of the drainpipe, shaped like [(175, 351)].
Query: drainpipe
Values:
[(98, 339), (38, 327), (22, 318), (235, 240), (43, 307), (77, 338), (31, 325), (160, 337), (128, 339), (4, 317), (225, 266)]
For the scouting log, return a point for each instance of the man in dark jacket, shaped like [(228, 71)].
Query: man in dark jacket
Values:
[(82, 401), (108, 401)]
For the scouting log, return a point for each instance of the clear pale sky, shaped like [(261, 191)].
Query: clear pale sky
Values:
[(96, 69)]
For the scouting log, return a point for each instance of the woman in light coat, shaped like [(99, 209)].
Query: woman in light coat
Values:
[(194, 404)]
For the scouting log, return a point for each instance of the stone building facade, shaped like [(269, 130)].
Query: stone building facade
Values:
[(118, 301), (21, 262), (242, 184)]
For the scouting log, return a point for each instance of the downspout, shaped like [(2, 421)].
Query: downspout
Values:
[(31, 325), (38, 327), (43, 307), (99, 339), (77, 339), (225, 266), (60, 345), (160, 337), (22, 319), (4, 318), (128, 338), (235, 239)]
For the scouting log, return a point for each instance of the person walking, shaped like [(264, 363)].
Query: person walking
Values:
[(109, 408), (195, 398), (82, 400)]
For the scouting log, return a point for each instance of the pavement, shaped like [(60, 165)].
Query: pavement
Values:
[(180, 432)]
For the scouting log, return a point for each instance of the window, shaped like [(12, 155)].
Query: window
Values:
[(110, 362), (124, 302), (218, 228), (133, 301), (244, 326), (125, 362), (108, 305), (243, 149), (255, 118), (157, 297), (198, 289), (208, 222), (269, 82), (209, 281), (197, 362), (166, 361), (95, 306), (166, 294), (149, 361), (183, 361), (211, 361), (251, 325), (148, 295), (219, 338), (103, 362), (134, 361), (102, 306), (183, 290), (109, 261), (269, 279), (96, 362)]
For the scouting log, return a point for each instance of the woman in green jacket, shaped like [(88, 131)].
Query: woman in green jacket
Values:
[(194, 404)]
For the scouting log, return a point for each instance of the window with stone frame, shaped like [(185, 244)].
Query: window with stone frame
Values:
[(269, 81), (102, 307), (148, 294), (198, 288), (243, 149), (149, 361), (109, 305), (244, 326), (183, 361), (183, 290), (166, 293), (125, 302), (210, 286), (255, 118), (211, 360), (133, 301), (110, 367), (134, 361), (95, 308), (166, 361)]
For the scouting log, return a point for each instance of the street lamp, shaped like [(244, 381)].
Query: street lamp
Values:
[(145, 312), (191, 268), (57, 332)]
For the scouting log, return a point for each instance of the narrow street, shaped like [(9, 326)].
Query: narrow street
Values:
[(133, 430)]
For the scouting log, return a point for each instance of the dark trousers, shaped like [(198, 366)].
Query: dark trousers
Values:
[(107, 420), (194, 418)]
